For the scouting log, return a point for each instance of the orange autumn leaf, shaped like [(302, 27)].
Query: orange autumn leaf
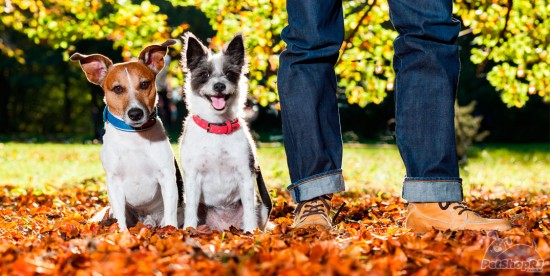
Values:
[(369, 238)]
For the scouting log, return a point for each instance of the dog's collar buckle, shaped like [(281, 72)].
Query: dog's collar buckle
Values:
[(226, 127)]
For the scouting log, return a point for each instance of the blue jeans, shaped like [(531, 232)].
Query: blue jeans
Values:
[(427, 65)]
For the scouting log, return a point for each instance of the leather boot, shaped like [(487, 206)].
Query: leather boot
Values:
[(422, 217), (314, 212)]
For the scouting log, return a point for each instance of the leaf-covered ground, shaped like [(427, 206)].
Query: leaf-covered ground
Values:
[(49, 234)]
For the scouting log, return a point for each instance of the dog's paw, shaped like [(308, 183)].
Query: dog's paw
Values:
[(249, 225), (269, 226), (249, 229), (190, 223)]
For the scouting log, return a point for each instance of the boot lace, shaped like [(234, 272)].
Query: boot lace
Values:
[(459, 205), (316, 206)]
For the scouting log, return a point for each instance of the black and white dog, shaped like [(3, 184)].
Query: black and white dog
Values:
[(223, 183)]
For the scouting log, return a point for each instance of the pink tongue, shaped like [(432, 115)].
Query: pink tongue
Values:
[(218, 102)]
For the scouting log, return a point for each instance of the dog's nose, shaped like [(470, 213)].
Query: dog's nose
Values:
[(219, 87), (135, 114)]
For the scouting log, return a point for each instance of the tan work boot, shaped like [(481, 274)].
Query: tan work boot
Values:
[(314, 212), (422, 217)]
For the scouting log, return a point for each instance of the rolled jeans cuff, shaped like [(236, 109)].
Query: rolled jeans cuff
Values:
[(329, 182), (416, 189)]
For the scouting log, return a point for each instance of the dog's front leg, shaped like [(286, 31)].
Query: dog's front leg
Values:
[(248, 199), (117, 200), (192, 197), (169, 190)]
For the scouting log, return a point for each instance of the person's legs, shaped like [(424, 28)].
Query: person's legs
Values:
[(307, 90), (427, 66)]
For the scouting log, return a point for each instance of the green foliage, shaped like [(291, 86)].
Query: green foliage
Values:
[(364, 68), (511, 39), (62, 23), (515, 37), (519, 52)]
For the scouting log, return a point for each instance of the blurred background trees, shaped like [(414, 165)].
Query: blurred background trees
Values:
[(504, 51)]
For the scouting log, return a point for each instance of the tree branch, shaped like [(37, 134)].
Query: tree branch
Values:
[(481, 66), (354, 31)]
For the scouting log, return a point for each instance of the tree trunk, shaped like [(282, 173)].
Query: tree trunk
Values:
[(4, 98), (66, 99), (97, 115)]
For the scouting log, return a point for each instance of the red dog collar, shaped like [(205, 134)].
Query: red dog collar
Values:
[(224, 128)]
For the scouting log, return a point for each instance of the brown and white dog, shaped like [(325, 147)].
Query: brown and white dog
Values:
[(223, 183), (142, 175)]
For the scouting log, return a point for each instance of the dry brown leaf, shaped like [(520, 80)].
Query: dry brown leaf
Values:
[(47, 234)]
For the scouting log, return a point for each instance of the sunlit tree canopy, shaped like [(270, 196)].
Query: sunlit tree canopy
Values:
[(510, 39)]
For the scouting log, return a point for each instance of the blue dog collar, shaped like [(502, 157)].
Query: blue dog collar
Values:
[(121, 125)]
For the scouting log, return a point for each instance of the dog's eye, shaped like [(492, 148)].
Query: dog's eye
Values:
[(144, 84), (204, 75), (118, 89), (231, 75)]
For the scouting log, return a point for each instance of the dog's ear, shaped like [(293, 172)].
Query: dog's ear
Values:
[(153, 55), (94, 66), (193, 52), (235, 50)]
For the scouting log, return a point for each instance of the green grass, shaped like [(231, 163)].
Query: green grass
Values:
[(41, 165), (509, 167), (501, 168)]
